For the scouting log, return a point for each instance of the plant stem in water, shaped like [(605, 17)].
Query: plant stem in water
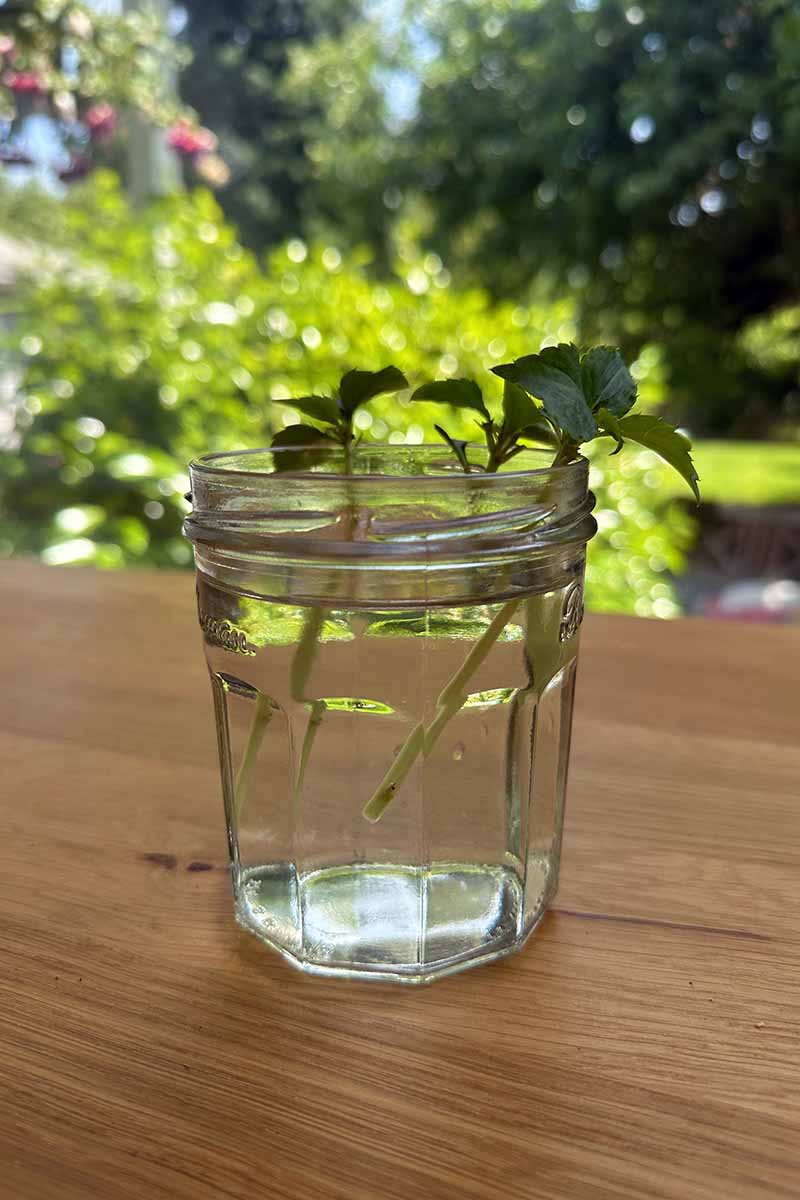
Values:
[(450, 701), (305, 653), (262, 715), (314, 720), (453, 696)]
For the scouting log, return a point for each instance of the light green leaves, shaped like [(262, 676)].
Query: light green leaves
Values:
[(554, 377), (665, 440), (460, 393), (607, 383), (357, 387)]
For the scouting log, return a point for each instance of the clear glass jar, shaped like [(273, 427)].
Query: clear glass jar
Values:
[(393, 656)]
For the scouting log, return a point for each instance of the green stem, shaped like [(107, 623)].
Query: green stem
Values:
[(403, 762), (314, 720), (450, 701), (303, 661), (262, 715), (566, 453), (305, 653)]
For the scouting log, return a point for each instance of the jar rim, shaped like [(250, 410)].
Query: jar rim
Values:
[(212, 465), (394, 522)]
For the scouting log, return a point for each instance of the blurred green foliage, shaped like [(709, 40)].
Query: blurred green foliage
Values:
[(644, 157), (143, 337), (753, 473), (240, 55)]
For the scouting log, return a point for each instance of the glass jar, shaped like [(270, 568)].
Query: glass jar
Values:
[(392, 654)]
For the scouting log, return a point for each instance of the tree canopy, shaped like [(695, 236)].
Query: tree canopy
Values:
[(240, 55), (645, 156)]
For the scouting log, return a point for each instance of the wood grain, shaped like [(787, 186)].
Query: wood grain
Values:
[(645, 1045)]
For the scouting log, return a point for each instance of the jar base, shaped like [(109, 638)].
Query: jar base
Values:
[(393, 922)]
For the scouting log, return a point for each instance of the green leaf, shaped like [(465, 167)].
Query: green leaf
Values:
[(319, 408), (458, 447), (664, 438), (460, 393), (554, 377), (607, 382), (518, 408), (609, 424), (310, 445), (523, 418), (541, 431), (357, 387)]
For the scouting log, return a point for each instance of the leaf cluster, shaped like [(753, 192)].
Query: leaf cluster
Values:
[(335, 415)]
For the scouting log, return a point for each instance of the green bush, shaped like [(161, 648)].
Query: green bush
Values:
[(146, 337)]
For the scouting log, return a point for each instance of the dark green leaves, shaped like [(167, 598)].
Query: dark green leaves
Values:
[(458, 447), (665, 440), (523, 418), (554, 377), (307, 444), (518, 408), (319, 408), (572, 388), (582, 397), (610, 424), (357, 387), (607, 382), (460, 393), (585, 396)]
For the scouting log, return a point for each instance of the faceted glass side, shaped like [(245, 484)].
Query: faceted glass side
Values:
[(463, 861)]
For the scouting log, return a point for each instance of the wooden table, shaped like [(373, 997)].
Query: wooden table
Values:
[(645, 1044)]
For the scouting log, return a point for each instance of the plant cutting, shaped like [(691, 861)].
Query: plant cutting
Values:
[(335, 416), (580, 398), (411, 737)]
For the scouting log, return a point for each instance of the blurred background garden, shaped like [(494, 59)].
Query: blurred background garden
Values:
[(208, 208)]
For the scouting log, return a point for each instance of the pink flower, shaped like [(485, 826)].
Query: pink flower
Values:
[(102, 121), (188, 140), (24, 83), (6, 44)]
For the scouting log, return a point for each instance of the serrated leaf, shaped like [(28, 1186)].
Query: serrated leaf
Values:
[(459, 393), (458, 446), (357, 387), (554, 377), (665, 440), (565, 357), (607, 382), (312, 447), (319, 408), (523, 418)]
